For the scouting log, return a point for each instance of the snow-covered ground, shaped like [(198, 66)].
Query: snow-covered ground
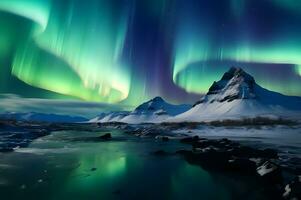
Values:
[(235, 110), (286, 139)]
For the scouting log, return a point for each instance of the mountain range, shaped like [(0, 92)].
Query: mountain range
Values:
[(41, 117), (155, 110), (235, 96)]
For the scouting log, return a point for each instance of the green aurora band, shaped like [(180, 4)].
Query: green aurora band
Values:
[(58, 58), (77, 49), (198, 49)]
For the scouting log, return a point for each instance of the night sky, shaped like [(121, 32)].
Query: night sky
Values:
[(128, 51)]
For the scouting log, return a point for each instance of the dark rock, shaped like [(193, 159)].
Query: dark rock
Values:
[(243, 151), (190, 140), (106, 136), (101, 138), (6, 149), (229, 98), (269, 153), (203, 143), (214, 88), (207, 149), (249, 152), (293, 189), (225, 141), (243, 165), (165, 139), (208, 159), (258, 161), (270, 172), (160, 153), (225, 154)]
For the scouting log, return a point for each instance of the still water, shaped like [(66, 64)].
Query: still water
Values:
[(64, 165)]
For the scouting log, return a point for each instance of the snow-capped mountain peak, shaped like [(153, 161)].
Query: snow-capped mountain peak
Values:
[(234, 84), (235, 96), (152, 111), (152, 105), (159, 106)]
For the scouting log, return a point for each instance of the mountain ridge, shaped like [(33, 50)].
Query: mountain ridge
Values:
[(155, 110), (237, 95), (41, 117)]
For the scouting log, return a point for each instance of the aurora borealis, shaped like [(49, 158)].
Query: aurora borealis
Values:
[(130, 50)]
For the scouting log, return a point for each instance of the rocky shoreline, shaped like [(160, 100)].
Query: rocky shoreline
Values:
[(224, 155), (19, 134)]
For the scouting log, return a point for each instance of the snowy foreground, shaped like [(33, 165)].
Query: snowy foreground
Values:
[(285, 138)]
